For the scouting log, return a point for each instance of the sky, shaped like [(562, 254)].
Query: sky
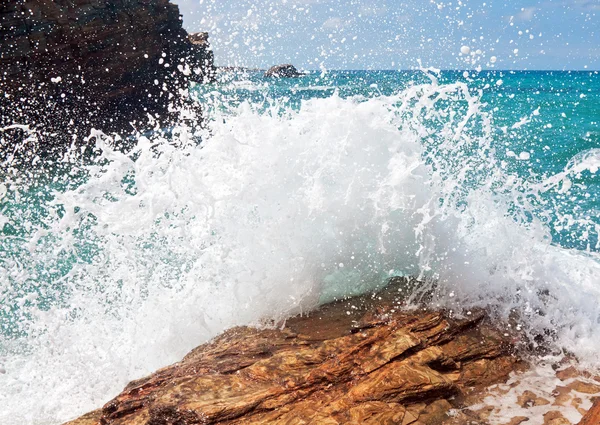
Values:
[(389, 34)]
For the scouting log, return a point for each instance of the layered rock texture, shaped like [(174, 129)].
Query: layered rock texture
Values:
[(94, 63), (357, 362)]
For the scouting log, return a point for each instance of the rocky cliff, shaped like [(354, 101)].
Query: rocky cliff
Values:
[(94, 63)]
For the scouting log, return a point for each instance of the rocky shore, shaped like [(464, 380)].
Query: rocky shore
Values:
[(71, 66), (360, 361)]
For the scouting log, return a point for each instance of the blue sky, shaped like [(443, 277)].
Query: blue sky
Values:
[(389, 34)]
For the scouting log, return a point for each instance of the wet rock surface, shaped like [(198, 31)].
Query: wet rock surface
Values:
[(361, 361), (592, 417), (70, 66), (550, 391)]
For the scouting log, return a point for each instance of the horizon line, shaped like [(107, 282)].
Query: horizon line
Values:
[(250, 68)]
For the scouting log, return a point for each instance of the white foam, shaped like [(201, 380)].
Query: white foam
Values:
[(540, 380), (256, 222)]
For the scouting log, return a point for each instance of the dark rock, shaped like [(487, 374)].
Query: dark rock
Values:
[(69, 66), (283, 71)]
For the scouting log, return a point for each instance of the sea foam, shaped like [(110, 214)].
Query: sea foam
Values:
[(275, 211)]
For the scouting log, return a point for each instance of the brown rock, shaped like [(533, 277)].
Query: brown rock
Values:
[(328, 368), (584, 387), (562, 396), (518, 420), (568, 373), (92, 418), (530, 399), (485, 412), (554, 417), (540, 401), (435, 413), (592, 417)]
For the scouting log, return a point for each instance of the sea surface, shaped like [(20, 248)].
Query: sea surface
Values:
[(295, 192)]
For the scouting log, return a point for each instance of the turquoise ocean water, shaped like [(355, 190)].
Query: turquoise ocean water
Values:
[(484, 185), (553, 116)]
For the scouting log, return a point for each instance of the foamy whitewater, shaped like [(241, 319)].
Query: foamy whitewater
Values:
[(114, 267)]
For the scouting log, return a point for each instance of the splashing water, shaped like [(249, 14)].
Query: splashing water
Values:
[(114, 266)]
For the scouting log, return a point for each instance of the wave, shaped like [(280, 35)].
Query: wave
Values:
[(132, 259)]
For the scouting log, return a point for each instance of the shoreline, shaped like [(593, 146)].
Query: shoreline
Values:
[(361, 360)]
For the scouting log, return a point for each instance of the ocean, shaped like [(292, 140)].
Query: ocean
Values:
[(482, 185)]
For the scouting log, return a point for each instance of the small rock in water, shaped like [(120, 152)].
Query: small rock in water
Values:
[(529, 399), (283, 71), (518, 420), (584, 387), (554, 417)]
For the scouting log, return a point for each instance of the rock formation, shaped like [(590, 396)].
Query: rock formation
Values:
[(353, 362), (94, 63), (593, 415), (283, 71)]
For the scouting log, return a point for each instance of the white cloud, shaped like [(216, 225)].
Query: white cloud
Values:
[(307, 1), (333, 24), (589, 4), (370, 10)]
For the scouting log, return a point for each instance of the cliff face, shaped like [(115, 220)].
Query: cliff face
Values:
[(96, 62)]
